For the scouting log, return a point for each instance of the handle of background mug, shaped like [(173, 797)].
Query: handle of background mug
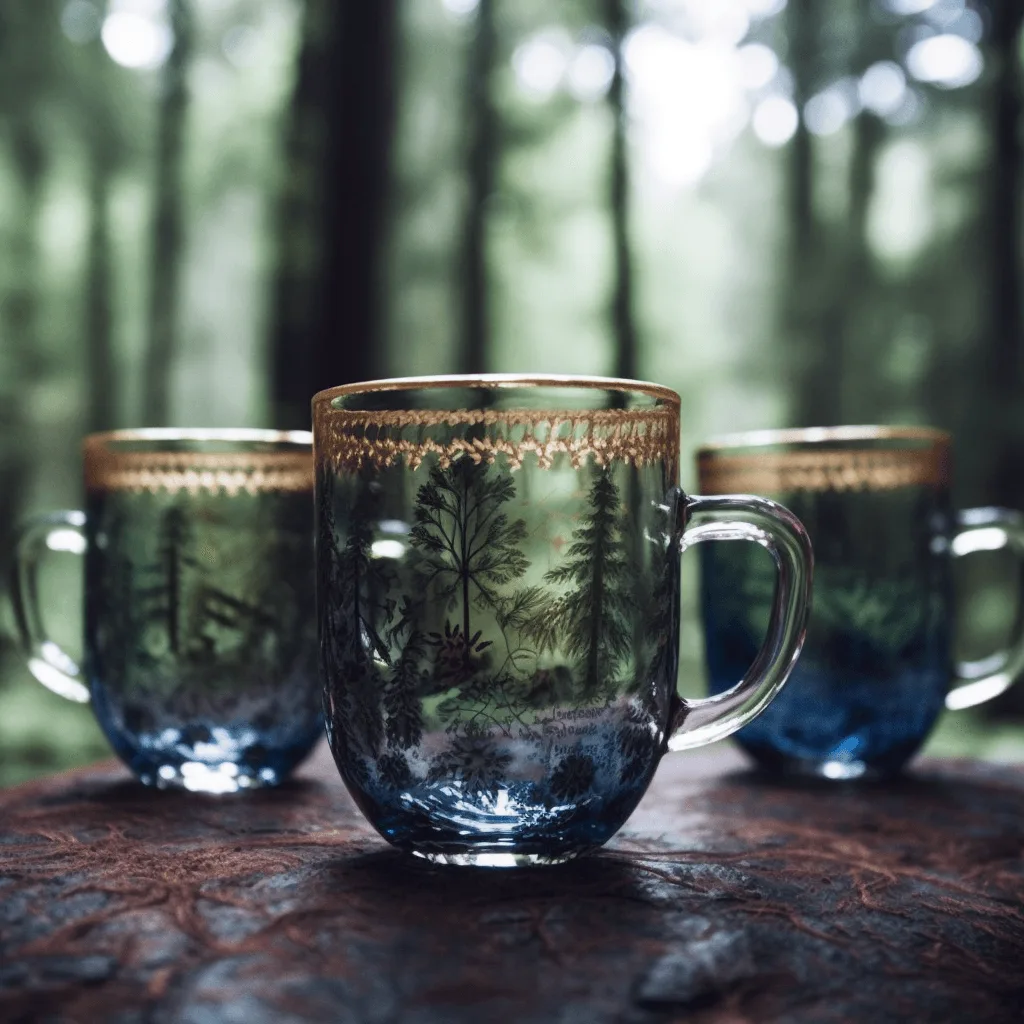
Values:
[(733, 517), (989, 529), (56, 531)]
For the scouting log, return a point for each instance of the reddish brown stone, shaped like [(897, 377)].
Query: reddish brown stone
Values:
[(725, 898)]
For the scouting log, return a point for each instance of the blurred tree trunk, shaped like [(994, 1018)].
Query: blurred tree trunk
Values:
[(167, 237), (858, 345), (328, 324), (813, 384), (21, 360), (617, 22), (101, 367), (482, 162), (1005, 366)]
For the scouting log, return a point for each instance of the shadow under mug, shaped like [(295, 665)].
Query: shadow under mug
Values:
[(877, 666), (498, 602), (200, 646)]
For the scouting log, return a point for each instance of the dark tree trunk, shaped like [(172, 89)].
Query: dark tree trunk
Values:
[(19, 334), (101, 369), (999, 425), (482, 161), (808, 349), (167, 239), (623, 324), (328, 325), (852, 383), (1006, 360)]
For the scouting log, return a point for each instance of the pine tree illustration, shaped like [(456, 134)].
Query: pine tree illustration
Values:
[(468, 545), (352, 611), (591, 622), (358, 583), (162, 599), (402, 694)]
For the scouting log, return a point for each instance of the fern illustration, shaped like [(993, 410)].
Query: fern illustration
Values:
[(469, 547)]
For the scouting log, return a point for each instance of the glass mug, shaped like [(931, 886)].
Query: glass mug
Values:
[(200, 645), (498, 602), (877, 667)]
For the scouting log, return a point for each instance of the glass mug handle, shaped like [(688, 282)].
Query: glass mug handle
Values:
[(57, 531), (732, 517), (989, 529)]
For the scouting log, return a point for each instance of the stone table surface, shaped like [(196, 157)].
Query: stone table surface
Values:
[(726, 898)]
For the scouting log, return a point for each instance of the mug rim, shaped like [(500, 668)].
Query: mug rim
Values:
[(496, 381), (230, 435), (814, 435)]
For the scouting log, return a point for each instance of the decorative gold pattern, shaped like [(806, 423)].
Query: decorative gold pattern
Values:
[(347, 439), (501, 381), (863, 469), (288, 468)]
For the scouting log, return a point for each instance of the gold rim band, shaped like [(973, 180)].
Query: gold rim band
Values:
[(282, 470), (868, 469), (823, 435), (348, 439), (497, 381)]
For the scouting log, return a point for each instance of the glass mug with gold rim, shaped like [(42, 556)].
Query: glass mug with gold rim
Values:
[(498, 602), (877, 666), (200, 636)]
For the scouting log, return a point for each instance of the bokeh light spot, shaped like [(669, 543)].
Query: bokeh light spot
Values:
[(947, 60), (775, 121), (136, 41)]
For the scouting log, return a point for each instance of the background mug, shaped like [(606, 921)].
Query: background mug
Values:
[(877, 668), (498, 601), (200, 646)]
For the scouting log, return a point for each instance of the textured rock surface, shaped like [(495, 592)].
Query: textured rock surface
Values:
[(725, 898)]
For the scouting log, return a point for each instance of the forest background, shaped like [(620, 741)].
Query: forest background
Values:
[(803, 212)]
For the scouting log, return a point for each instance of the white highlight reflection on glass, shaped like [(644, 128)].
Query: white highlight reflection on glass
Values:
[(387, 549), (66, 540), (948, 61), (882, 88), (775, 121), (136, 41)]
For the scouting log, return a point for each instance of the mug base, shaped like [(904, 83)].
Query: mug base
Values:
[(495, 858), (224, 777), (825, 769)]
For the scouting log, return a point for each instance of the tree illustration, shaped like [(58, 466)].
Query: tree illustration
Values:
[(403, 706), (468, 545), (162, 599), (358, 583), (354, 610), (591, 622)]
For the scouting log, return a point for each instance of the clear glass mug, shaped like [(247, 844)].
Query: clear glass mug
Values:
[(498, 603), (877, 668), (200, 636)]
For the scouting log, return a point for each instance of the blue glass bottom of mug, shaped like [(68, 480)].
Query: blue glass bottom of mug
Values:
[(208, 757), (518, 824), (839, 721)]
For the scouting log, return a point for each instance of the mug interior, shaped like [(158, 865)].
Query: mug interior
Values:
[(499, 392)]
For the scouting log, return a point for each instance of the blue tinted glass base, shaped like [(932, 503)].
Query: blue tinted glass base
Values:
[(514, 826), (840, 725), (202, 757)]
